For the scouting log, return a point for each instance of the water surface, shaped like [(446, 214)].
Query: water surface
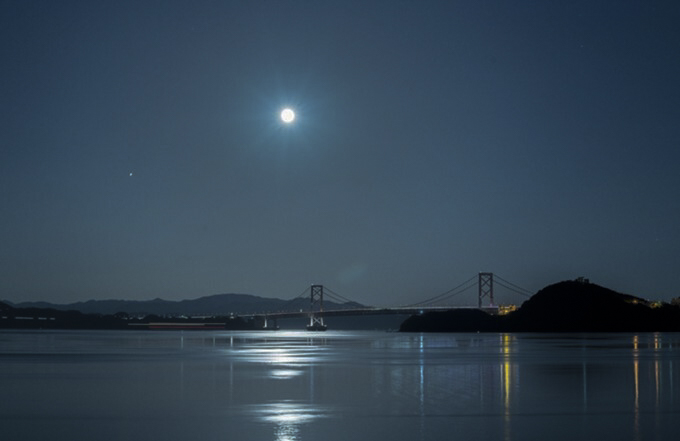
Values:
[(296, 386)]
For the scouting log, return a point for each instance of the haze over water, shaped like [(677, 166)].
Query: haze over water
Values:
[(300, 386)]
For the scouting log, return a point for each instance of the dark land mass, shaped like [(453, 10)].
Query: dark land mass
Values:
[(570, 306), (213, 312), (49, 318)]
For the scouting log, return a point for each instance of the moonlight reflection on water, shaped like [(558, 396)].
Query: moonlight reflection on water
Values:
[(287, 417), (258, 386)]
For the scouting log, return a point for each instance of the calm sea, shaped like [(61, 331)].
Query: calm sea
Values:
[(300, 386)]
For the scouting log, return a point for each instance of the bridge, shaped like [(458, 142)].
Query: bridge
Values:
[(485, 283)]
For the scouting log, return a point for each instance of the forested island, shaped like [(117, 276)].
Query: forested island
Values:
[(569, 306)]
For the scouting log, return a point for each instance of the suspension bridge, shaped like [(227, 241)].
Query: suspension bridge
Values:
[(484, 281)]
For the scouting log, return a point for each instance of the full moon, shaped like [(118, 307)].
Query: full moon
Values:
[(287, 115)]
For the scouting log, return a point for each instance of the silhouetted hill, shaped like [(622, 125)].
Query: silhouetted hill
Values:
[(570, 306), (219, 304), (579, 306)]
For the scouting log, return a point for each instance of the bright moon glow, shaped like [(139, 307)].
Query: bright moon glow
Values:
[(287, 115)]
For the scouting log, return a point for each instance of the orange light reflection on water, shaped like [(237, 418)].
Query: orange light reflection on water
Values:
[(507, 342)]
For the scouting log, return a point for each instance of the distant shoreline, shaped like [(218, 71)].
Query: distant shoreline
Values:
[(569, 306)]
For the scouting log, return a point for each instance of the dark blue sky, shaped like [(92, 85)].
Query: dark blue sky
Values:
[(433, 140)]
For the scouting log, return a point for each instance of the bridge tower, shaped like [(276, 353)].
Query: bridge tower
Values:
[(316, 309), (485, 287)]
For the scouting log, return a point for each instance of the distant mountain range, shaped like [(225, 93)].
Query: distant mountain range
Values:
[(214, 305)]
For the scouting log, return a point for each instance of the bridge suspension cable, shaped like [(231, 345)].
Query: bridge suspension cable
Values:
[(512, 287), (337, 297), (292, 301), (460, 289), (450, 293), (328, 293)]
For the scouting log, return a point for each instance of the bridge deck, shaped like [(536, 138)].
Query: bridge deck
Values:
[(368, 311)]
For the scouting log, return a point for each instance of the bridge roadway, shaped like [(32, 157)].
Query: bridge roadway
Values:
[(411, 310)]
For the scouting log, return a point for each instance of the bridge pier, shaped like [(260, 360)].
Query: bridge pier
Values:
[(270, 323)]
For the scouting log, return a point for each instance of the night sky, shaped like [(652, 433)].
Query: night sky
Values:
[(142, 153)]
